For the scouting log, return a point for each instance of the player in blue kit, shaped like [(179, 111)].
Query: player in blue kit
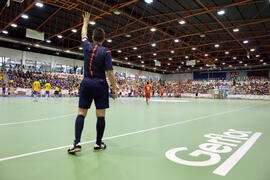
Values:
[(97, 63)]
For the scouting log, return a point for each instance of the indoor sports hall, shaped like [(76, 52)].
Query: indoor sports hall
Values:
[(187, 83)]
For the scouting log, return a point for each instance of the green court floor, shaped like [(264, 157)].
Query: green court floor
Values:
[(34, 138)]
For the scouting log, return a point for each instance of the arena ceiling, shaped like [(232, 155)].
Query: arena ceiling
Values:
[(217, 34)]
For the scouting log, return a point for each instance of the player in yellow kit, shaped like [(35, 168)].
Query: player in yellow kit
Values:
[(47, 89), (36, 89), (56, 91)]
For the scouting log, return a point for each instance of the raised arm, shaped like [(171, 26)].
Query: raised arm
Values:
[(86, 17), (111, 78)]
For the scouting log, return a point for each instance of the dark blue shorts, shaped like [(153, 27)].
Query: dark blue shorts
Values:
[(36, 92), (56, 92), (94, 89), (47, 92)]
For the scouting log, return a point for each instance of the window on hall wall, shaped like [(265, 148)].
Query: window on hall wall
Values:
[(131, 76), (155, 78), (30, 65), (59, 68), (1, 61), (69, 69), (79, 70), (10, 62), (43, 66)]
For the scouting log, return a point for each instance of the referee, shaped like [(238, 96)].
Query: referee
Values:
[(97, 63)]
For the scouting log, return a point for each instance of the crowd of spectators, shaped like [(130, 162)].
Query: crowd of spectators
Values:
[(254, 86), (18, 78)]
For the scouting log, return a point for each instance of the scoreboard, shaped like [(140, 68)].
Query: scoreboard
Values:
[(234, 74)]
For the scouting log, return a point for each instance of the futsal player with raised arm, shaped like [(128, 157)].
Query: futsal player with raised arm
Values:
[(97, 63)]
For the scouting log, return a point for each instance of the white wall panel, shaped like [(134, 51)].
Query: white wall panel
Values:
[(179, 77)]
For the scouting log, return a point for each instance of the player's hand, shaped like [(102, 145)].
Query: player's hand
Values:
[(86, 16)]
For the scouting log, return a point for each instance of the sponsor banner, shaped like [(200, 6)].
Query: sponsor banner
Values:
[(191, 63), (30, 33), (235, 142)]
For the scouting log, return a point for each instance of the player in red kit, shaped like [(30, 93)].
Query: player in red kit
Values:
[(147, 89), (161, 92)]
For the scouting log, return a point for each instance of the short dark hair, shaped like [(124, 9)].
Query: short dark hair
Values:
[(98, 35)]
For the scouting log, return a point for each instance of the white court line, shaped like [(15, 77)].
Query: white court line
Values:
[(169, 100), (122, 135), (227, 165), (37, 120)]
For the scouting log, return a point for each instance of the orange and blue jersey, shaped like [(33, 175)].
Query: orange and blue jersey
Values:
[(97, 60)]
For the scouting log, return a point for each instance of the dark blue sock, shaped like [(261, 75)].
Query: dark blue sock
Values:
[(78, 128), (100, 129)]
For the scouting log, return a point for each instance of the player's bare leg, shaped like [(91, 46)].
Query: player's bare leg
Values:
[(35, 98), (147, 101)]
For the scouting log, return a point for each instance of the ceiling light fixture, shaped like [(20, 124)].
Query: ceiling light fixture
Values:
[(182, 22), (92, 23), (14, 25), (117, 12), (221, 12), (202, 35), (25, 16), (39, 4), (153, 29), (74, 30), (5, 32), (148, 1)]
